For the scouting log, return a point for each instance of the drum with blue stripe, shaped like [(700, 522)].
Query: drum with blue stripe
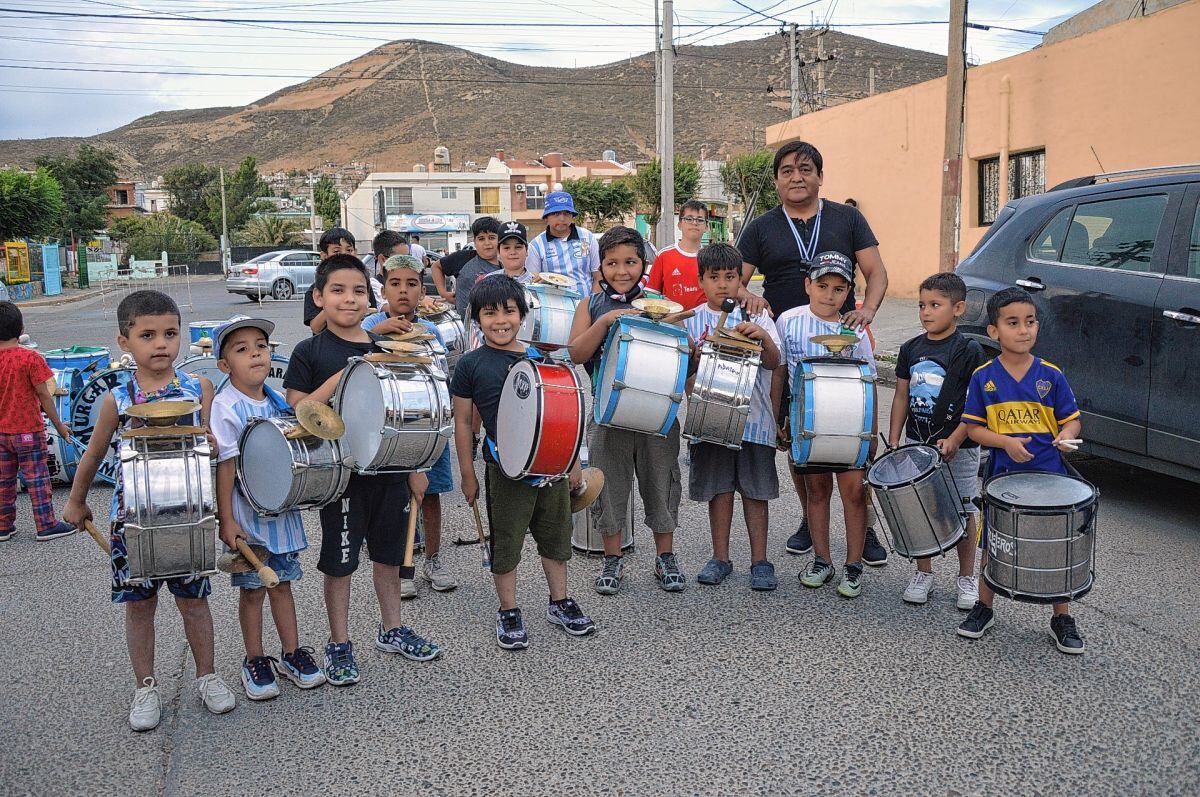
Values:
[(642, 376), (80, 358), (832, 412), (63, 453), (206, 365), (85, 411)]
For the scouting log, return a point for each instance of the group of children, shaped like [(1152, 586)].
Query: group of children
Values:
[(947, 395)]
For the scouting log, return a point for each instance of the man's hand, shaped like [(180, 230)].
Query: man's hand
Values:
[(392, 326), (753, 304), (76, 512), (1015, 448), (947, 448), (470, 487), (230, 532), (859, 319)]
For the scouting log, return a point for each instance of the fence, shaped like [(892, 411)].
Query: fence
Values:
[(117, 281)]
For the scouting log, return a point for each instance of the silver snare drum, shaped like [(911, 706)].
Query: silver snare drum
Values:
[(1041, 535), (919, 500), (719, 403), (170, 507), (454, 335), (397, 415), (551, 313), (585, 537), (278, 474)]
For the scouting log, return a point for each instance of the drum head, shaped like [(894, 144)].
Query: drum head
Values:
[(204, 365), (904, 465), (362, 408), (266, 455), (1038, 490), (518, 419)]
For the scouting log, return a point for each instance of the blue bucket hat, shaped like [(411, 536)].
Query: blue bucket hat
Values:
[(558, 201)]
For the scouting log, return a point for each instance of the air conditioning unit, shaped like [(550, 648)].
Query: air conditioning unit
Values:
[(519, 188)]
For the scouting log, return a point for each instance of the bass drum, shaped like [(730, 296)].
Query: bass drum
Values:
[(206, 365), (85, 411)]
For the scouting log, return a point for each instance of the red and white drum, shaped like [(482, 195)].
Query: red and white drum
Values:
[(540, 422)]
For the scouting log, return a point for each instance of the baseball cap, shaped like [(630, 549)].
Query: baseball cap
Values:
[(403, 261), (513, 229), (831, 263), (241, 322), (558, 201)]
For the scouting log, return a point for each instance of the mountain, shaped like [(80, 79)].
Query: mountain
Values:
[(393, 105)]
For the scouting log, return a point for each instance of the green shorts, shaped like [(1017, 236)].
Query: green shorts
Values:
[(514, 507)]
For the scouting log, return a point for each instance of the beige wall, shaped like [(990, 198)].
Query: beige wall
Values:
[(1129, 91)]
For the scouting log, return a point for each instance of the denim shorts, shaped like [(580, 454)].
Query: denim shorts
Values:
[(441, 478), (285, 565)]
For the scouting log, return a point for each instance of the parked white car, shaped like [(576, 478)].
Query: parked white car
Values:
[(281, 274)]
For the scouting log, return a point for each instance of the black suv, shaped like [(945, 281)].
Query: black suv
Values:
[(1113, 263)]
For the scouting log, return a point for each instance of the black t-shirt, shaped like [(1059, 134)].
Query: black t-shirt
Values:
[(479, 376), (770, 247), (938, 372), (453, 263), (311, 309), (471, 273)]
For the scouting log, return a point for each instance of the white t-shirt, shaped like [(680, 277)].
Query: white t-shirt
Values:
[(760, 423), (798, 325), (417, 251)]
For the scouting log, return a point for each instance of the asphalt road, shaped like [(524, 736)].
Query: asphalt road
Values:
[(712, 691)]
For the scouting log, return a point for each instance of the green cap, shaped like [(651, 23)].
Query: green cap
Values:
[(403, 261)]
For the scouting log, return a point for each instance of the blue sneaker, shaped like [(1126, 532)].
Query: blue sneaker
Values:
[(407, 642), (300, 668), (59, 529), (714, 573), (762, 576), (510, 630), (340, 668), (572, 619), (666, 570), (258, 678)]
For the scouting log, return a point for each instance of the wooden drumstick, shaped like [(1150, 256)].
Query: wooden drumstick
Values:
[(727, 306), (406, 570), (97, 536), (487, 556), (671, 319), (265, 574)]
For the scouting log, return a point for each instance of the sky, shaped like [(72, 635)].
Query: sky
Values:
[(63, 73)]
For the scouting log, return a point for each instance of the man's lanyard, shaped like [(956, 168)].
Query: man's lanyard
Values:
[(807, 253)]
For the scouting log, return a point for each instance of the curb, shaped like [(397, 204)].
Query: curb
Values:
[(54, 301)]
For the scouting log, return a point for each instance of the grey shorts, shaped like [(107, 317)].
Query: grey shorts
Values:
[(964, 469), (715, 469), (622, 455)]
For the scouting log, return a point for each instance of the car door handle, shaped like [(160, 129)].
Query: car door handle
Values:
[(1032, 284), (1186, 318)]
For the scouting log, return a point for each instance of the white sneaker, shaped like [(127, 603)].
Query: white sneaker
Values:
[(919, 588), (968, 592), (217, 697), (146, 710), (437, 575), (408, 588)]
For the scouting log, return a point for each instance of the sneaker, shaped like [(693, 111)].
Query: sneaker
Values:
[(510, 630), (572, 619), (146, 709), (408, 589), (762, 576), (978, 621), (300, 668), (437, 575), (216, 696), (609, 580), (407, 642), (5, 536), (340, 668), (800, 543), (968, 592), (714, 572), (817, 574), (1066, 635), (874, 554), (666, 569), (919, 588), (258, 678), (851, 583), (59, 529)]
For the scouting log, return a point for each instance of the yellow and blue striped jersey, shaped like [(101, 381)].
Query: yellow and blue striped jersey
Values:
[(1035, 407)]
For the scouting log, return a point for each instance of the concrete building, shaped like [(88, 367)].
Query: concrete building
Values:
[(1109, 98), (122, 200), (152, 197), (530, 180)]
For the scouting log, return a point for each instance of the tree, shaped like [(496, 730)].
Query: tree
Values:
[(84, 180), (647, 186), (600, 204), (195, 190), (329, 204), (190, 187), (271, 231), (31, 204), (749, 178), (162, 232)]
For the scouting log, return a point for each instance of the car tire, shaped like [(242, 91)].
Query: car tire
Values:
[(282, 289)]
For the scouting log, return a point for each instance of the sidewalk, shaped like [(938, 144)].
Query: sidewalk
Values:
[(895, 323), (68, 296)]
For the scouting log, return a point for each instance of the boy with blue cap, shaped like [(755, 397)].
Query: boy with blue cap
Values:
[(565, 247)]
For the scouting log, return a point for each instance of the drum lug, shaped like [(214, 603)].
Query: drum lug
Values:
[(299, 466), (389, 432), (618, 384), (865, 436), (677, 397), (625, 336), (683, 347), (809, 376), (868, 378)]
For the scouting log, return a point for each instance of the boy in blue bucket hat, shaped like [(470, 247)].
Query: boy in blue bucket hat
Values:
[(565, 247)]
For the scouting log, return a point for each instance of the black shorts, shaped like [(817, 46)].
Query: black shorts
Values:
[(374, 509)]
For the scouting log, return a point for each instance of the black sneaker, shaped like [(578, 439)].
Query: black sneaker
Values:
[(874, 554), (567, 613), (978, 621), (800, 543), (1066, 636), (510, 630)]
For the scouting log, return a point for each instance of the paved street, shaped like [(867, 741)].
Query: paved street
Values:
[(713, 691)]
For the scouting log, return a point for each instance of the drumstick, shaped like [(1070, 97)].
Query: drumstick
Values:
[(265, 574), (487, 558), (671, 319), (727, 306), (97, 536), (406, 570)]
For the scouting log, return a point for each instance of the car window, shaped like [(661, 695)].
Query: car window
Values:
[(314, 259), (297, 259), (262, 258), (1194, 247), (1115, 233), (1048, 244)]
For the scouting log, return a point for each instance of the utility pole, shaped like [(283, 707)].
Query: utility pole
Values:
[(821, 67), (871, 82), (952, 151), (224, 227), (666, 219), (795, 62), (657, 79), (312, 211)]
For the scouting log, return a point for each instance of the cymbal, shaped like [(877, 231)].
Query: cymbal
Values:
[(589, 491), (162, 413), (381, 357), (730, 332), (163, 431), (432, 308), (557, 280), (835, 343), (400, 346), (416, 333), (656, 309), (320, 420), (234, 562)]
